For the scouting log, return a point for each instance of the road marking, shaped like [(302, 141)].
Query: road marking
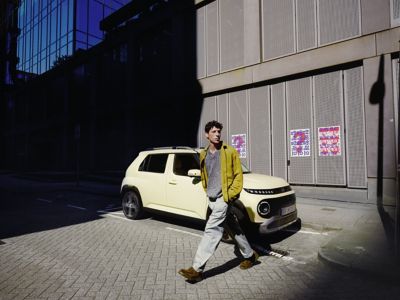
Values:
[(44, 200), (77, 207), (183, 231), (307, 232), (285, 257), (107, 214)]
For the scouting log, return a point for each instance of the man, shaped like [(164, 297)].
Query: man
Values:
[(222, 179)]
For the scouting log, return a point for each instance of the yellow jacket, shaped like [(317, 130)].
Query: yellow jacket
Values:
[(231, 172)]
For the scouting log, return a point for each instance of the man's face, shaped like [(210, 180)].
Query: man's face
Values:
[(214, 135)]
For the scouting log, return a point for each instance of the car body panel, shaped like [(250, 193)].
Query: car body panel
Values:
[(184, 195), (260, 181)]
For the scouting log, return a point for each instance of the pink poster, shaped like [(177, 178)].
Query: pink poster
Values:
[(329, 141), (300, 142), (239, 143)]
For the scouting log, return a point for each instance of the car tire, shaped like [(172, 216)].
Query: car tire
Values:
[(132, 205)]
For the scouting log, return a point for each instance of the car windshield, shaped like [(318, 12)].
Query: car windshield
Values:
[(245, 169)]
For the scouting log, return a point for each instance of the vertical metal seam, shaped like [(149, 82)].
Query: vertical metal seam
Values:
[(247, 99), (285, 125), (219, 36), (313, 131), (342, 112), (295, 37), (269, 131)]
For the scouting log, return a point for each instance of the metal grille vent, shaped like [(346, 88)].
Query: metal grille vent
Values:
[(212, 38), (201, 43), (238, 118), (278, 117), (208, 113), (306, 24), (222, 106), (330, 170), (396, 9), (259, 131), (232, 34), (278, 28), (338, 20), (355, 124), (299, 116)]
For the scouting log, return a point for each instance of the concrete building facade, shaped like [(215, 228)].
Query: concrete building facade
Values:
[(307, 90)]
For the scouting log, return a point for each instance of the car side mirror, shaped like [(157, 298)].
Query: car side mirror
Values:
[(194, 173)]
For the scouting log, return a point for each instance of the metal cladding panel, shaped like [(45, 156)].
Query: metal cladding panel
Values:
[(222, 108), (238, 119), (212, 38), (306, 24), (201, 43), (395, 74), (278, 129), (328, 111), (355, 128), (299, 120), (338, 20), (232, 34), (259, 130), (395, 12), (208, 113), (278, 28), (252, 32)]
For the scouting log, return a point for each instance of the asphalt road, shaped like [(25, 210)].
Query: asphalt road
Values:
[(71, 245)]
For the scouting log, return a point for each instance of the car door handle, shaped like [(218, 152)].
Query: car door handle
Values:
[(173, 182)]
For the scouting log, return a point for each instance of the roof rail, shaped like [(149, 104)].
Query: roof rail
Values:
[(172, 147)]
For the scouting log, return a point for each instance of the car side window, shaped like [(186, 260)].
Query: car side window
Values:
[(154, 163), (183, 162)]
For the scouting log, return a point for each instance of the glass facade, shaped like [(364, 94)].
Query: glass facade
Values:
[(48, 31)]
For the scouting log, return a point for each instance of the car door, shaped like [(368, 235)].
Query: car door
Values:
[(152, 180), (185, 195)]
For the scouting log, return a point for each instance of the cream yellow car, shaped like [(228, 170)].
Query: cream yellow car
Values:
[(168, 180)]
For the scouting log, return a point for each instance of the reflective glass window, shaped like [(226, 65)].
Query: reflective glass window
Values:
[(81, 15), (53, 27), (95, 16)]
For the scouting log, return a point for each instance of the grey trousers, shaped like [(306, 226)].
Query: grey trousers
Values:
[(213, 234)]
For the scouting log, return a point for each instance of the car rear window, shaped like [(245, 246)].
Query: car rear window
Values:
[(183, 162), (154, 163)]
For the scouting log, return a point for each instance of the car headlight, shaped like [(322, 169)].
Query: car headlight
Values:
[(263, 208), (275, 191)]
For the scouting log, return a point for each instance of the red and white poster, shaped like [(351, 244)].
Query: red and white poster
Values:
[(239, 143), (300, 142), (329, 141)]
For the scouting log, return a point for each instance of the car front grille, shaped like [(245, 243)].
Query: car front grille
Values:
[(275, 204)]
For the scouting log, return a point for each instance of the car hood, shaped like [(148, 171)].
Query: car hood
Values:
[(261, 181)]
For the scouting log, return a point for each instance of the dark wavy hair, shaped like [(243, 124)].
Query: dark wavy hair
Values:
[(212, 124)]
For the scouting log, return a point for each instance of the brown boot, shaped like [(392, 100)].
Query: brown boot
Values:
[(249, 262), (191, 274)]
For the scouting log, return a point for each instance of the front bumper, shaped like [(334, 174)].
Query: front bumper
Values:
[(276, 223)]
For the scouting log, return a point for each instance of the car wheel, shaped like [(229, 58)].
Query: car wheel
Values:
[(132, 205)]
